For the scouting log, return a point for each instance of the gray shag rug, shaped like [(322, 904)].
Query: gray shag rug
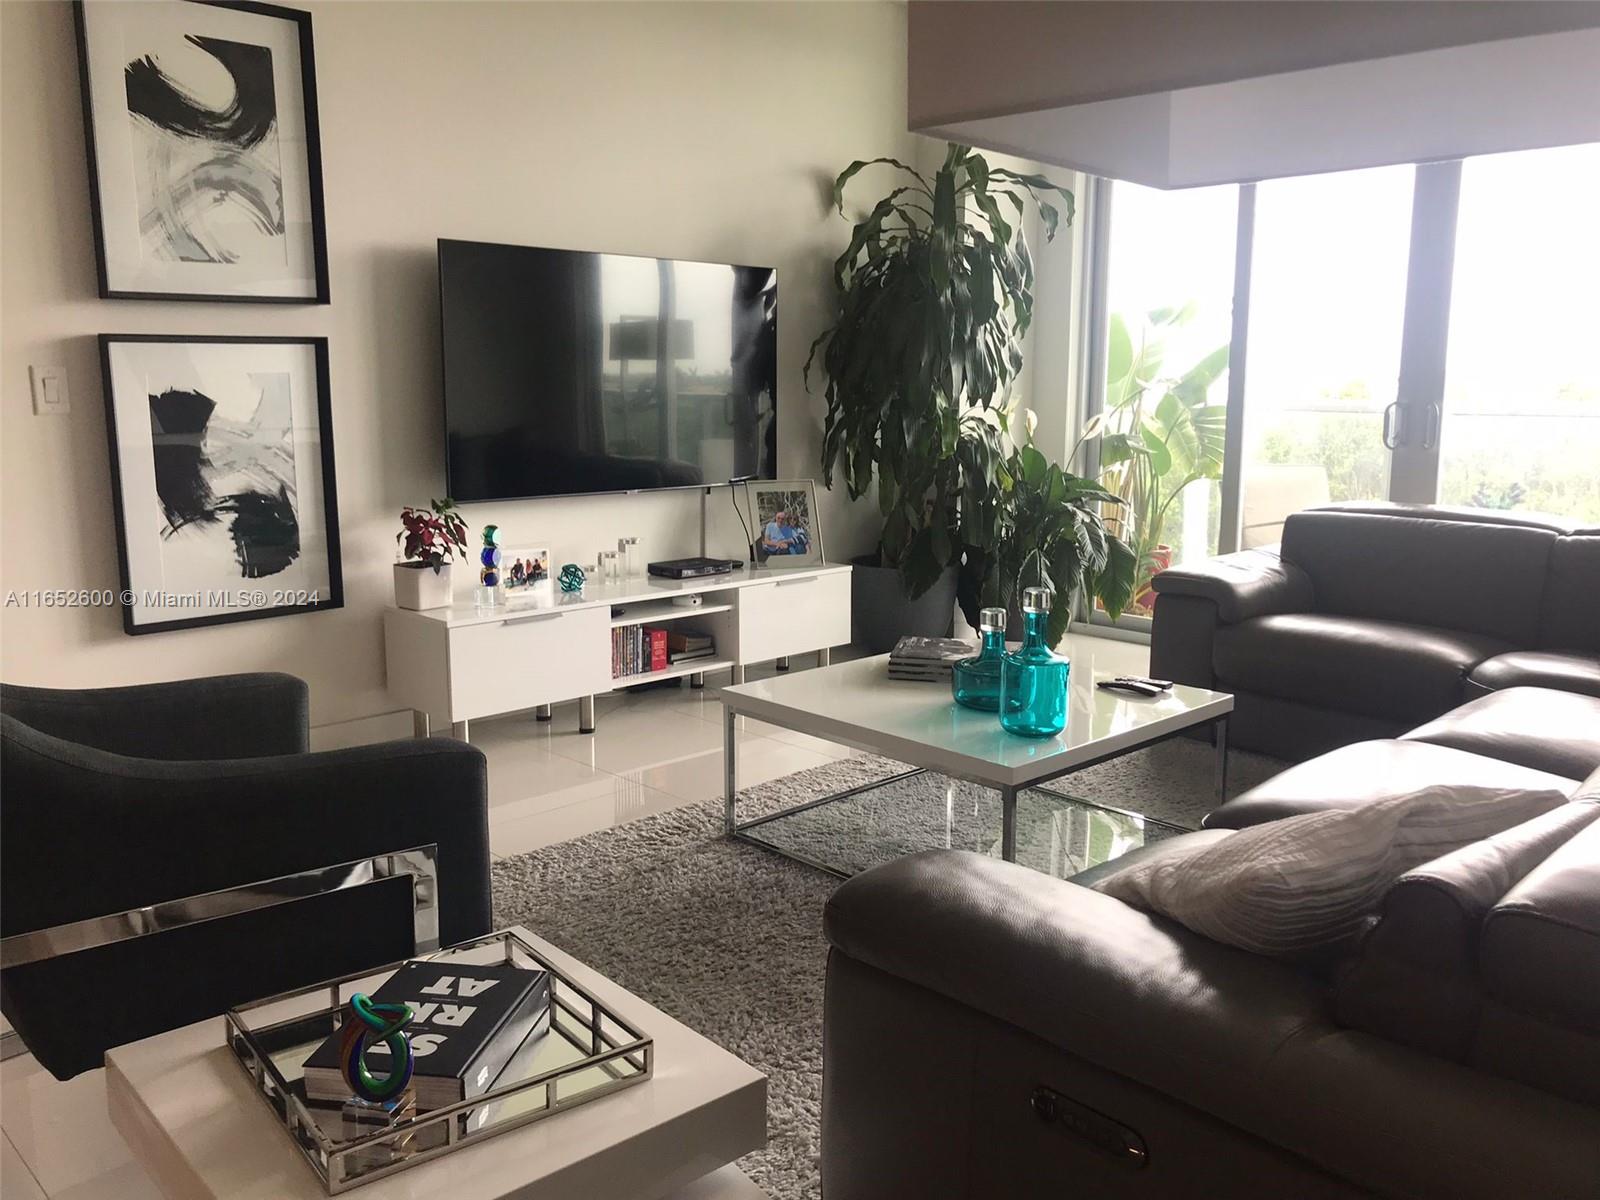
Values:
[(727, 937)]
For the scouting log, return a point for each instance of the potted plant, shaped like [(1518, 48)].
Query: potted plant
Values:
[(1041, 526), (931, 299), (430, 538), (1158, 433)]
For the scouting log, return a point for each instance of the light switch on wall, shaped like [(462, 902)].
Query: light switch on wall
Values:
[(50, 390)]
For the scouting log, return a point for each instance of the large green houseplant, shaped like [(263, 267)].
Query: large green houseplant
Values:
[(1041, 526), (931, 298), (1158, 433)]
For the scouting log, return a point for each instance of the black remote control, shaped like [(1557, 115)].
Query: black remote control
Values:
[(1134, 687)]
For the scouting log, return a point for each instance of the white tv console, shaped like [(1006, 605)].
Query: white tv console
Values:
[(452, 665)]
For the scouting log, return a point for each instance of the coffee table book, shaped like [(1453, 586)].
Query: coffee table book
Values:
[(467, 1023)]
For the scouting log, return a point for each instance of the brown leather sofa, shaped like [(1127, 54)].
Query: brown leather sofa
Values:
[(991, 1031), (1373, 617)]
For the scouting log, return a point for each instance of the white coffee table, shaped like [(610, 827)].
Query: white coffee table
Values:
[(194, 1123), (856, 704)]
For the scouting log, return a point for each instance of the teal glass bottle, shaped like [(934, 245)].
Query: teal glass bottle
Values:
[(1033, 678), (975, 682)]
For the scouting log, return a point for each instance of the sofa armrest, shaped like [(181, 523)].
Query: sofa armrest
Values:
[(1243, 1038), (1074, 967), (1249, 583), (132, 832), (222, 716)]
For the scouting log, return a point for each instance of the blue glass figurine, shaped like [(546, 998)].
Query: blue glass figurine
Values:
[(1033, 678), (571, 578), (975, 682)]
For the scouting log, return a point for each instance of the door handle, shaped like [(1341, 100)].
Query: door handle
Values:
[(1392, 429), (1430, 431), (793, 582), (526, 617)]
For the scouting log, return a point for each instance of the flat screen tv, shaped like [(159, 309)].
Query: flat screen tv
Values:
[(568, 372)]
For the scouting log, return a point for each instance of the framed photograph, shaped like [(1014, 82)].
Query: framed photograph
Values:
[(205, 164), (784, 523), (525, 570), (222, 478)]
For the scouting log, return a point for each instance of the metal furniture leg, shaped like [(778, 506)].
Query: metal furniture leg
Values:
[(697, 680), (419, 724), (586, 714), (730, 768), (1222, 759), (738, 673), (458, 729), (541, 712), (783, 663), (824, 657), (1008, 824)]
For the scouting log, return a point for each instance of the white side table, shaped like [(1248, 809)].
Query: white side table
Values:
[(192, 1120)]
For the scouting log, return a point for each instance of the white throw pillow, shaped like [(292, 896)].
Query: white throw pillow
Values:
[(1288, 886)]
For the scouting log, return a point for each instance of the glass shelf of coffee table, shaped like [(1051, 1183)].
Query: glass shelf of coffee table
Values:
[(1058, 834)]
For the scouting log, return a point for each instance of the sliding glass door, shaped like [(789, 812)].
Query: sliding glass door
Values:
[(1520, 425), (1327, 297), (1415, 333)]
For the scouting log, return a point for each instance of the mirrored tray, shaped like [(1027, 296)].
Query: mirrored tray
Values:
[(587, 1053)]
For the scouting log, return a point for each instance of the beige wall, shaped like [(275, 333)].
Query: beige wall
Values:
[(674, 129)]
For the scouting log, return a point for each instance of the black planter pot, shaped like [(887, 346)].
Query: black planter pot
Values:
[(881, 613)]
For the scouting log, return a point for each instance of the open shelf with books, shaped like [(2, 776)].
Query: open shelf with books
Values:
[(641, 653)]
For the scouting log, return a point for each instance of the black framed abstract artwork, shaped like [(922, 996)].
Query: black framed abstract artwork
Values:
[(204, 157), (222, 478)]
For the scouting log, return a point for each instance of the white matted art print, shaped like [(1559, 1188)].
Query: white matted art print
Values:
[(223, 481), (205, 161), (785, 528)]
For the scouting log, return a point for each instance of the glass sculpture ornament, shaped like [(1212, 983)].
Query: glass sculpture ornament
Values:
[(571, 578), (489, 592), (975, 681), (367, 1025), (1033, 678)]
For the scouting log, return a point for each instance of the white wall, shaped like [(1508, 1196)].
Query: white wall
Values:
[(674, 129)]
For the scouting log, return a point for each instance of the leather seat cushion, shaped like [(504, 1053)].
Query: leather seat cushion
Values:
[(1534, 727), (1541, 943), (1415, 977), (1570, 671), (1570, 617), (1354, 664), (1366, 771)]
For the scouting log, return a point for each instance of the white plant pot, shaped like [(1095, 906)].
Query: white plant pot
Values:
[(418, 586)]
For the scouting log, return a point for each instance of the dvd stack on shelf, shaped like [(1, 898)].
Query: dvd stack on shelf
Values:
[(638, 650)]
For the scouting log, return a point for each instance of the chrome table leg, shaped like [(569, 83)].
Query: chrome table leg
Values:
[(1222, 759), (730, 768)]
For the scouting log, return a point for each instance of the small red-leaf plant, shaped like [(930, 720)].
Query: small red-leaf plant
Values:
[(432, 537)]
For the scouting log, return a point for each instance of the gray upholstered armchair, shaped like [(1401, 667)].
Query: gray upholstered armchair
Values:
[(170, 850)]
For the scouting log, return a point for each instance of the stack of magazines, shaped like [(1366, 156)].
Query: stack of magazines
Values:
[(927, 659)]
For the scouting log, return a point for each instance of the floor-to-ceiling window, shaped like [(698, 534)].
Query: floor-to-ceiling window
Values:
[(1409, 333), (1169, 303), (1327, 300), (1521, 419)]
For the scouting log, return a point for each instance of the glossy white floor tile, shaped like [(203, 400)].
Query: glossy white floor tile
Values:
[(651, 751), (16, 1181)]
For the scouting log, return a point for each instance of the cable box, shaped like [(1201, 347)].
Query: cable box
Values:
[(692, 568)]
